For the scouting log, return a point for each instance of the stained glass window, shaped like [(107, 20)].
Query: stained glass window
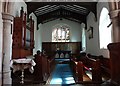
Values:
[(61, 33)]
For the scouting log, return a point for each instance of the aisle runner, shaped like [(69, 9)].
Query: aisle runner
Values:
[(62, 75)]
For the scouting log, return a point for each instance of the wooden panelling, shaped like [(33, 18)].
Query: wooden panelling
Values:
[(51, 47)]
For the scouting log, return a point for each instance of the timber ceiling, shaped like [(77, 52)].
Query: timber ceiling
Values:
[(74, 11)]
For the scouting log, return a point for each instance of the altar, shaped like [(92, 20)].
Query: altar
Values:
[(62, 54), (22, 64)]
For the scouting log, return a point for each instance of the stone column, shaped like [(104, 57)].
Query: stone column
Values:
[(1, 37), (7, 47), (114, 48), (115, 20)]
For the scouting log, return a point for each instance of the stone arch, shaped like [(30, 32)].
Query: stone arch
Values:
[(7, 7)]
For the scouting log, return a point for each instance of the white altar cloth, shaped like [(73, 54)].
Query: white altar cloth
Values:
[(21, 64)]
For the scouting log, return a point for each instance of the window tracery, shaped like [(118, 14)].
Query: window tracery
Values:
[(61, 33)]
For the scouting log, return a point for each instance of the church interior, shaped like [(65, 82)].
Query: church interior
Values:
[(59, 42)]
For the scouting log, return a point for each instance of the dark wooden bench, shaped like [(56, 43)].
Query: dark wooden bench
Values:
[(114, 49), (43, 68), (79, 66)]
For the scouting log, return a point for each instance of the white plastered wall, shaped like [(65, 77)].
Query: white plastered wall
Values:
[(47, 28), (93, 46)]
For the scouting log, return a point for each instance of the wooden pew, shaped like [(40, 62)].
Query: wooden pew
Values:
[(78, 67), (51, 64), (104, 63), (38, 73), (79, 71), (114, 49), (43, 68), (106, 67)]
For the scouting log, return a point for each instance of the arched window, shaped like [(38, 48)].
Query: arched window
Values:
[(61, 33), (105, 28)]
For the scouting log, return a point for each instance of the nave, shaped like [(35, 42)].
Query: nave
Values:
[(62, 75)]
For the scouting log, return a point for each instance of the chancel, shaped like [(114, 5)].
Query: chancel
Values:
[(60, 42)]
